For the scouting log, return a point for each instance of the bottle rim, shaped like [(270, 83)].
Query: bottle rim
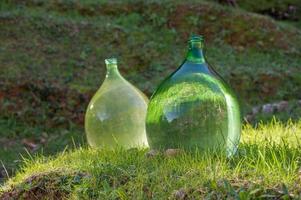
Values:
[(110, 61), (196, 38)]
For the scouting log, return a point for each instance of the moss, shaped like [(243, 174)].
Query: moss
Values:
[(48, 185)]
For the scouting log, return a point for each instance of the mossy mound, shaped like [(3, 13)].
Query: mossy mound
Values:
[(265, 166)]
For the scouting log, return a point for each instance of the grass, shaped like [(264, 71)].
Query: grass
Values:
[(52, 53), (267, 165), (48, 40), (18, 139)]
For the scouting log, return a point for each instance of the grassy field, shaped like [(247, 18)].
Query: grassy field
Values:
[(266, 166), (52, 61)]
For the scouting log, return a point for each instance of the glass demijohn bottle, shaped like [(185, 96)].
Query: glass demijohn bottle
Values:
[(194, 108), (116, 114)]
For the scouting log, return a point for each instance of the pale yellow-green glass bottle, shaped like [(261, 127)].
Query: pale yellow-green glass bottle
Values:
[(116, 114)]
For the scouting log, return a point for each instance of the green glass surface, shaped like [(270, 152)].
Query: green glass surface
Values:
[(116, 114), (194, 108)]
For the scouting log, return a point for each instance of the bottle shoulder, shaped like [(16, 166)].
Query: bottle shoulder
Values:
[(119, 90), (193, 73)]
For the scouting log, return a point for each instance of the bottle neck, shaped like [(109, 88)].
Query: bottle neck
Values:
[(195, 53), (112, 68), (112, 71)]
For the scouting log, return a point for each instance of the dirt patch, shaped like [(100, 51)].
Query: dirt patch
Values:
[(232, 27), (33, 100)]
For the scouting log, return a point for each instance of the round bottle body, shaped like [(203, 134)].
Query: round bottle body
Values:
[(194, 108), (116, 114)]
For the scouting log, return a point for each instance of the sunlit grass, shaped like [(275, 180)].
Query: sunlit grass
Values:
[(267, 162)]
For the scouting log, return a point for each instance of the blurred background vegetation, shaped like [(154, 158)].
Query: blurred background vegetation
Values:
[(52, 60)]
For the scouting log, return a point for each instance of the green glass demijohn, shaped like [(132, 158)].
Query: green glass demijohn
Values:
[(116, 114), (194, 108)]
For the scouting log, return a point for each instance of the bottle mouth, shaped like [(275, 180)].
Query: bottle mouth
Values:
[(196, 38), (111, 61), (196, 42)]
